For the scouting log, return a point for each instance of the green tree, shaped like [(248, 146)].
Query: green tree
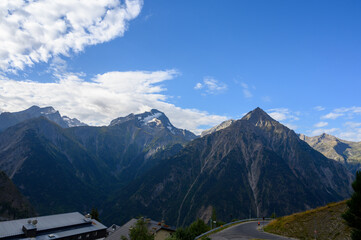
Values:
[(95, 214), (353, 213), (189, 233), (140, 231)]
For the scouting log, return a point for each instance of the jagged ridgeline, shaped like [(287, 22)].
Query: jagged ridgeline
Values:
[(142, 165), (255, 166), (62, 168)]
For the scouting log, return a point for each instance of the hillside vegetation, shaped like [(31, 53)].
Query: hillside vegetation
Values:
[(326, 221)]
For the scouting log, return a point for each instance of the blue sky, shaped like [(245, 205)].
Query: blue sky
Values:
[(201, 62)]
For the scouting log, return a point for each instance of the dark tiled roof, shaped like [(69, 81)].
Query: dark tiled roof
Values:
[(66, 222)]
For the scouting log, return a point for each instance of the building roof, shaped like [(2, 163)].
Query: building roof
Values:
[(69, 223), (153, 227)]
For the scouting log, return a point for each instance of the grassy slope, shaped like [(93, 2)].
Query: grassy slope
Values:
[(326, 220)]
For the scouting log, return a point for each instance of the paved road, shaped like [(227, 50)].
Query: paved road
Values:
[(248, 230)]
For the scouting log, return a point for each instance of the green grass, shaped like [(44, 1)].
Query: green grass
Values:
[(324, 222)]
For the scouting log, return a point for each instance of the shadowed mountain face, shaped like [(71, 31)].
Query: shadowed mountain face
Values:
[(343, 151), (255, 166), (74, 169), (8, 119), (51, 168), (128, 143), (13, 204)]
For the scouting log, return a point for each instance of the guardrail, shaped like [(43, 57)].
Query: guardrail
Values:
[(235, 222)]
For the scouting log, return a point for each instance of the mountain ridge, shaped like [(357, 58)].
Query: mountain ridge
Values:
[(8, 119), (255, 165)]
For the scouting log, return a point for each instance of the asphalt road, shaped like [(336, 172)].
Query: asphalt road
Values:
[(248, 230)]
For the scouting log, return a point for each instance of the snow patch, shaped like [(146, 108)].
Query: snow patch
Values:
[(151, 118)]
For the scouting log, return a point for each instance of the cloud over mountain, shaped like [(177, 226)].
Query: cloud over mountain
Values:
[(105, 97)]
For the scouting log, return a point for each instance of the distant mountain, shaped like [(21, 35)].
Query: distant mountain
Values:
[(343, 151), (51, 168), (128, 143), (8, 119), (13, 204), (67, 169), (221, 126), (253, 167)]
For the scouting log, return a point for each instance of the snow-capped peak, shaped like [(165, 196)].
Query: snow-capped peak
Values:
[(152, 118)]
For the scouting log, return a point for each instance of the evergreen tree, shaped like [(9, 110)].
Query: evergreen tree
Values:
[(353, 214), (140, 231), (95, 214)]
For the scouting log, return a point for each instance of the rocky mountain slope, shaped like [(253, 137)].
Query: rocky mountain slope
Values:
[(343, 151), (255, 166), (67, 169), (221, 126), (8, 119), (13, 204), (128, 143), (51, 168)]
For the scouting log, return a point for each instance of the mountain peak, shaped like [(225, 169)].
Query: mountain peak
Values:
[(257, 115), (10, 119)]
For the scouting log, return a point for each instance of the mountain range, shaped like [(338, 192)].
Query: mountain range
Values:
[(46, 160), (142, 165), (8, 119), (255, 166), (346, 152)]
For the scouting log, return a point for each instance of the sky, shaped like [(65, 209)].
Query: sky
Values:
[(200, 62)]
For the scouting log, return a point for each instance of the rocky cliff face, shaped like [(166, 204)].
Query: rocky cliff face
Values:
[(221, 126), (51, 168), (346, 152), (8, 119), (253, 167), (128, 143), (73, 169), (13, 204)]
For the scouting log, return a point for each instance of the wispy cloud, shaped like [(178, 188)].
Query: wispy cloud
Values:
[(282, 114), (286, 116), (36, 31), (105, 97), (211, 86), (317, 132), (246, 90), (321, 124), (319, 108), (347, 112), (332, 115)]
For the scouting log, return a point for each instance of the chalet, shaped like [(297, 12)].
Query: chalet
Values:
[(67, 226), (159, 229)]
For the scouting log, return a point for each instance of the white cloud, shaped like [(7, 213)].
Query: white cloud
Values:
[(347, 112), (317, 132), (291, 126), (282, 114), (246, 91), (332, 115), (105, 97), (36, 31), (319, 108), (353, 124), (321, 124), (198, 86), (211, 86)]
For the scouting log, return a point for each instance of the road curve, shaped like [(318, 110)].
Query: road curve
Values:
[(243, 231)]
